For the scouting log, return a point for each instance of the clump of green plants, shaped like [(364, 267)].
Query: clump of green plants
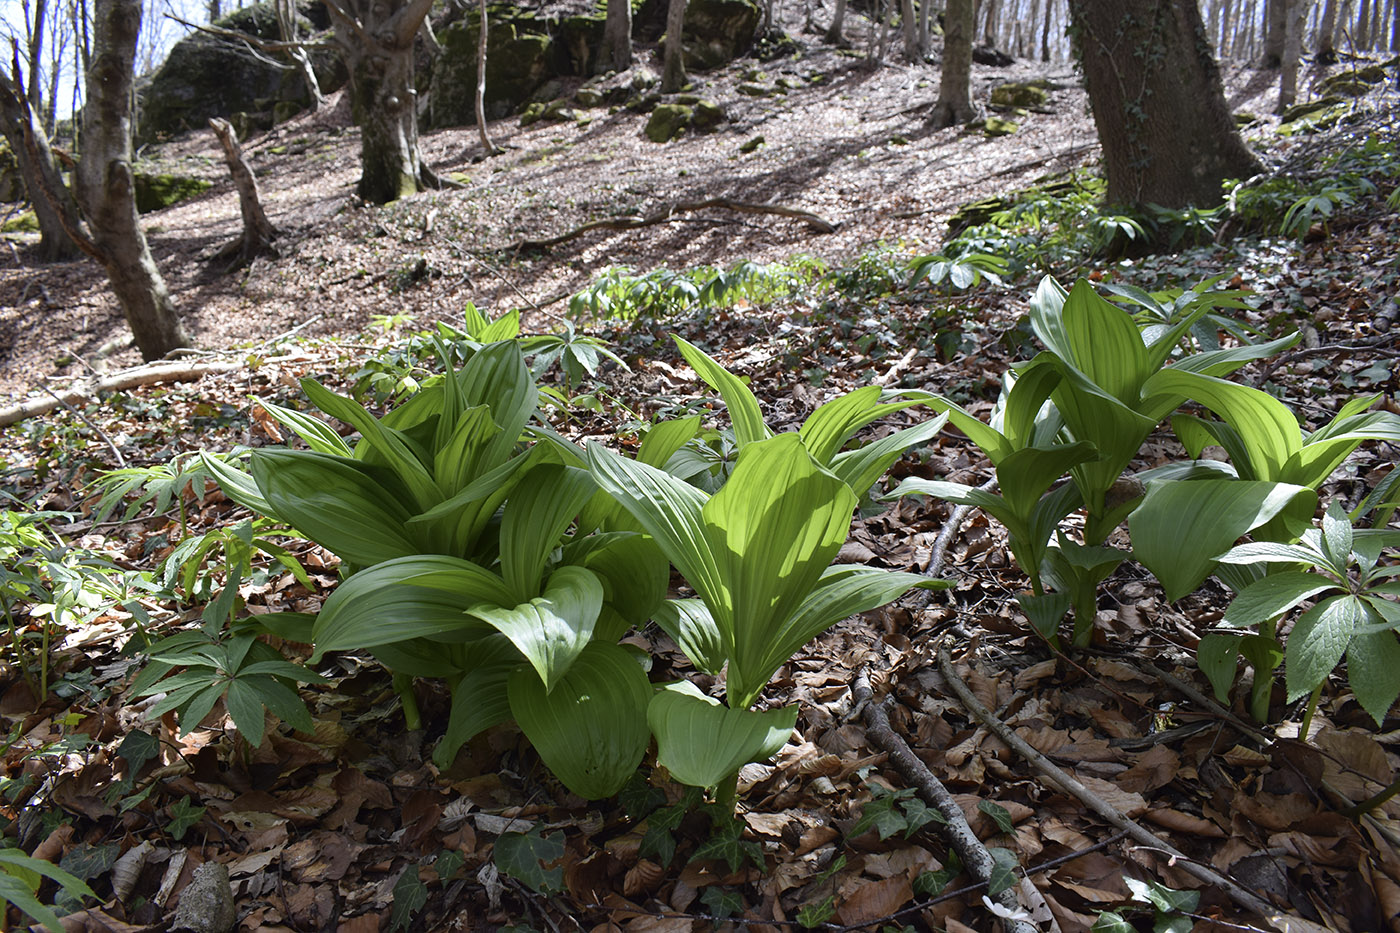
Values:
[(621, 294)]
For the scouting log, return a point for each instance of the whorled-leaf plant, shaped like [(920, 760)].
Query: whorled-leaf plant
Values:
[(758, 554)]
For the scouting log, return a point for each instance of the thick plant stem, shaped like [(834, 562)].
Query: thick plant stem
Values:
[(412, 718), (727, 793), (1308, 713), (1263, 688)]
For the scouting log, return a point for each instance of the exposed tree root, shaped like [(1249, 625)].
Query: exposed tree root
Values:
[(1066, 783), (662, 216)]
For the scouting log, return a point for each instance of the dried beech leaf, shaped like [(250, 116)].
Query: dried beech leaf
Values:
[(875, 899), (1184, 822)]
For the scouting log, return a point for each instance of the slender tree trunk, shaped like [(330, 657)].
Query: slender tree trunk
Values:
[(925, 40), (259, 235), (617, 37), (954, 104), (1361, 38), (377, 38), (1394, 26), (673, 76), (488, 148), (1292, 53), (1275, 26), (106, 186), (36, 54), (286, 12), (1222, 44), (992, 26), (834, 33), (913, 48), (47, 193), (1045, 31), (1140, 113)]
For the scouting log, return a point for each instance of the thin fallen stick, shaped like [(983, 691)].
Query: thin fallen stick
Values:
[(817, 223), (116, 452), (1068, 784), (956, 831)]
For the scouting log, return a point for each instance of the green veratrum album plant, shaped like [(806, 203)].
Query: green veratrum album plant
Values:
[(1354, 613)]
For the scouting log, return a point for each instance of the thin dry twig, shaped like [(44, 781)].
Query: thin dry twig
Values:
[(1068, 784)]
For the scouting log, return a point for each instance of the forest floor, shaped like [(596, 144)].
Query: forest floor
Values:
[(354, 829)]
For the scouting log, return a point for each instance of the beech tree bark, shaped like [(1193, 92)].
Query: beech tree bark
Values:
[(909, 23), (287, 27), (673, 76), (1167, 134), (53, 204), (617, 37), (105, 186), (1275, 25), (1326, 52), (834, 32), (1294, 24), (954, 103), (377, 38)]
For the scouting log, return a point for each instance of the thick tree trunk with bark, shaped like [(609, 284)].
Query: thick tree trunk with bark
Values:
[(673, 76), (377, 37), (258, 233), (954, 103), (1167, 134), (617, 37), (53, 205), (1275, 25), (106, 186)]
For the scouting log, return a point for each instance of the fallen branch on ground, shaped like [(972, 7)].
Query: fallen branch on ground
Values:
[(118, 382), (956, 831), (665, 214), (1068, 784)]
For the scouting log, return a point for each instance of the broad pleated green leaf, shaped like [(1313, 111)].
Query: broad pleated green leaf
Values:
[(663, 439), (407, 598), (1181, 526), (318, 435), (551, 630), (591, 729), (1115, 429), (744, 412), (1217, 656), (462, 456), (1319, 639), (702, 742), (535, 520), (455, 525), (496, 376), (479, 697), (828, 428), (772, 529), (988, 439), (690, 625), (1029, 473), (350, 508), (862, 467), (633, 571), (1266, 427), (1104, 343), (1047, 320), (1021, 414), (238, 486)]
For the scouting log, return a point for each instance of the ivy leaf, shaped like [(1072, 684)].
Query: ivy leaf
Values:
[(1110, 921), (1003, 874), (726, 844), (722, 902), (639, 797), (1164, 899), (919, 814), (999, 814), (183, 815), (410, 894), (932, 883), (447, 863), (532, 859)]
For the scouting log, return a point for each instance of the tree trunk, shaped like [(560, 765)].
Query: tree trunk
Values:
[(42, 180), (1045, 31), (992, 25), (834, 33), (908, 21), (377, 38), (1296, 21), (1167, 134), (1222, 44), (258, 232), (286, 12), (954, 104), (673, 76), (488, 148), (106, 186), (36, 54), (1361, 38), (617, 37), (1275, 26)]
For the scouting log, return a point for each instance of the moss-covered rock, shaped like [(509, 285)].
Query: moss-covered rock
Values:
[(24, 222), (752, 144), (518, 61), (11, 181), (206, 76), (716, 31), (1352, 83), (707, 115), (155, 192), (995, 126), (577, 40), (668, 121), (1019, 94), (554, 111), (1308, 108)]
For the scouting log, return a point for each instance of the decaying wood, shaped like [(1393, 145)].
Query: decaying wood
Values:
[(956, 832), (259, 235), (118, 382), (1068, 784), (662, 216)]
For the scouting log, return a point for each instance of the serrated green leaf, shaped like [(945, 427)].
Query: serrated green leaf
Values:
[(1319, 640), (1373, 670), (1272, 596)]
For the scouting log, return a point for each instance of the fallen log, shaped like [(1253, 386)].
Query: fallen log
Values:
[(819, 224), (117, 382)]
